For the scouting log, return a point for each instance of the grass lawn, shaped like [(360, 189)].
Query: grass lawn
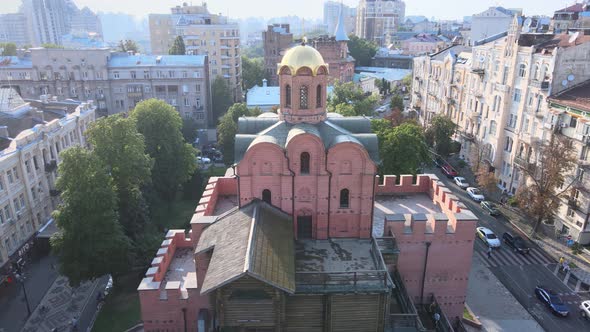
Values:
[(121, 310), (466, 314)]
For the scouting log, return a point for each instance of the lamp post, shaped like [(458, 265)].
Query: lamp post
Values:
[(21, 279)]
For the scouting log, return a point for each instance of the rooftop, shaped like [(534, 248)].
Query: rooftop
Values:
[(126, 60), (182, 269), (577, 97), (401, 204)]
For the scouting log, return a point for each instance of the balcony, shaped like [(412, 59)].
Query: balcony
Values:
[(524, 164), (573, 203), (502, 88), (479, 71), (586, 140), (543, 85), (468, 136), (51, 166)]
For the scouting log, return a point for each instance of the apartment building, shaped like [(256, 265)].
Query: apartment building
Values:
[(204, 34), (116, 81), (570, 109), (378, 20), (276, 39), (13, 29), (332, 10), (492, 21), (497, 93), (31, 139)]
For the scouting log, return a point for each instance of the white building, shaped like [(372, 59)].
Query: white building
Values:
[(490, 22), (31, 139), (13, 29), (331, 13)]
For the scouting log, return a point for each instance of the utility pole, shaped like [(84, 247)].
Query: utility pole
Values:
[(21, 279)]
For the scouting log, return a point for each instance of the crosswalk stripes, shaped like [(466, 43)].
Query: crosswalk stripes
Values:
[(508, 257)]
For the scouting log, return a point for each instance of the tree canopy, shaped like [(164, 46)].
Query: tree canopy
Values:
[(351, 94), (362, 50), (228, 128), (402, 149), (397, 102), (439, 133), (252, 72), (91, 242), (174, 160), (121, 148), (51, 45), (178, 47), (220, 98), (127, 46), (8, 49)]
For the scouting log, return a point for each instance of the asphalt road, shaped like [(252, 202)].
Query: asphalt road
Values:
[(521, 273)]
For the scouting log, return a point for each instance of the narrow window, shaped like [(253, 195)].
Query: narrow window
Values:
[(266, 196), (344, 198), (303, 94), (305, 163), (318, 96), (288, 96)]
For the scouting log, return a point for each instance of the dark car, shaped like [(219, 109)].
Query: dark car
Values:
[(490, 208), (438, 162), (449, 171), (552, 301), (516, 243)]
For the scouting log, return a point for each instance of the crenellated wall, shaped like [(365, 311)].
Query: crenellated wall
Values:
[(450, 234), (216, 187)]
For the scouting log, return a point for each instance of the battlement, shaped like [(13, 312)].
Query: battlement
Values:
[(216, 188)]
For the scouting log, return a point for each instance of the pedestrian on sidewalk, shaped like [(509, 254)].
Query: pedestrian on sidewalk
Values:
[(489, 252), (561, 260), (566, 267)]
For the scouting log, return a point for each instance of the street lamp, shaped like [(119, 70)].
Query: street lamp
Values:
[(21, 279)]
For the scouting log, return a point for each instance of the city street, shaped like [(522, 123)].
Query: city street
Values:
[(521, 273)]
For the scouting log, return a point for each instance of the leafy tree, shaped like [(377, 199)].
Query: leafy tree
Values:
[(118, 144), (547, 180), (397, 102), (345, 109), (362, 50), (189, 129), (220, 98), (228, 128), (406, 85), (8, 49), (405, 140), (253, 51), (128, 45), (252, 72), (174, 160), (439, 134), (177, 47), (350, 94), (50, 45), (91, 241)]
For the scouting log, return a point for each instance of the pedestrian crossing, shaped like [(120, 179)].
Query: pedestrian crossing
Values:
[(505, 256)]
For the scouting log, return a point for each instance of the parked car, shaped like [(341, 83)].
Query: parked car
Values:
[(406, 97), (461, 182), (449, 171), (438, 162), (203, 160), (516, 243), (475, 194), (488, 237), (551, 300), (490, 208), (585, 309)]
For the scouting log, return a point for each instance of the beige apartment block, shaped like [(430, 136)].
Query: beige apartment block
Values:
[(204, 34), (116, 81), (497, 92), (31, 139), (378, 20)]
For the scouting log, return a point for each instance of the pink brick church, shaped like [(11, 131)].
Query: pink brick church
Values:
[(302, 235)]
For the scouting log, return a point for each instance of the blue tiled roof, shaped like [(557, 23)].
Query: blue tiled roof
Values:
[(124, 60)]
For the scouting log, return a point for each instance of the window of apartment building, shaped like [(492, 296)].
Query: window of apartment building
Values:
[(526, 124), (508, 145), (517, 95), (85, 75), (133, 74), (184, 74), (505, 74), (214, 72), (28, 166), (198, 87), (22, 232), (59, 90), (186, 102), (15, 172), (1, 183), (198, 104), (119, 103), (493, 127), (570, 213), (146, 74), (115, 74), (16, 204), (522, 70), (14, 240), (7, 244), (512, 120), (86, 92), (573, 121), (2, 216), (536, 71), (197, 74), (34, 192), (74, 91), (130, 88), (200, 116), (171, 74), (159, 74), (147, 89), (98, 75), (23, 203), (9, 176), (29, 228)]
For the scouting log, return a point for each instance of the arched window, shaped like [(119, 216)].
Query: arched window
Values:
[(266, 196), (303, 97), (288, 95), (537, 72), (522, 70), (304, 163), (344, 198), (318, 96)]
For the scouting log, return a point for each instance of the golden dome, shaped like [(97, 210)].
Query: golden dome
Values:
[(302, 56)]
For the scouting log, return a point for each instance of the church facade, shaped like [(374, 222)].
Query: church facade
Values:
[(301, 234)]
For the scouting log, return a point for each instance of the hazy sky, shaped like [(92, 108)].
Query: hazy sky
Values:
[(308, 8)]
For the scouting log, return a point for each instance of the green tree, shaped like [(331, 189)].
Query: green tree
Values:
[(351, 94), (407, 83), (177, 47), (362, 50), (220, 98), (345, 109), (252, 72), (50, 45), (8, 49), (439, 134), (189, 129), (397, 102), (405, 140), (127, 46), (91, 242), (253, 51), (174, 160), (228, 128), (118, 144)]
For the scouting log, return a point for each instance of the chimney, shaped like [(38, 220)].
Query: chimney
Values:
[(3, 131), (40, 115), (264, 82)]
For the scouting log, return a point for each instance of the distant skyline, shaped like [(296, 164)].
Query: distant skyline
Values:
[(449, 9)]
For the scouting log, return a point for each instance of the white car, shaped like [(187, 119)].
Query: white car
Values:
[(475, 194), (585, 309), (382, 109), (461, 182), (488, 237), (203, 160)]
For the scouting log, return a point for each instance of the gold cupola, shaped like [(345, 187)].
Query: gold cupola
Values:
[(302, 56)]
